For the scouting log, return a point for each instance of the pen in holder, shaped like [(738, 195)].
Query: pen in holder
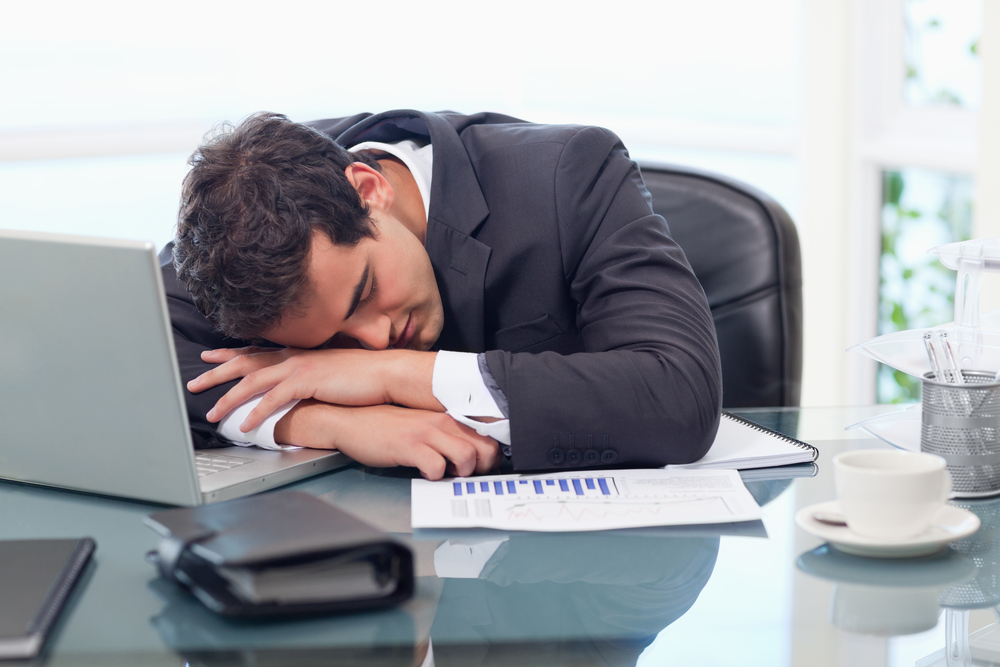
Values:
[(961, 423)]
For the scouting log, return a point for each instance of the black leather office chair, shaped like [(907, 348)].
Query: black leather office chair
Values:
[(744, 249)]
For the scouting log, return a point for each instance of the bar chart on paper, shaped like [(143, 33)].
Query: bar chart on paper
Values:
[(577, 502)]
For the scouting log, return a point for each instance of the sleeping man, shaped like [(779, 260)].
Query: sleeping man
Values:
[(439, 291)]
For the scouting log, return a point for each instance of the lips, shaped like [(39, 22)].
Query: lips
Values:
[(407, 335)]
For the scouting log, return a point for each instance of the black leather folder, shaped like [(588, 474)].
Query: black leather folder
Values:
[(278, 554)]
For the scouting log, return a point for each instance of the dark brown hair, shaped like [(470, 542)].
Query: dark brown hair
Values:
[(249, 205)]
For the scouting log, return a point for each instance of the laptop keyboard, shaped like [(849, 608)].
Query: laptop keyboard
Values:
[(209, 464)]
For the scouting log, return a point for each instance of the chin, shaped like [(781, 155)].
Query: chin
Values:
[(422, 342), (425, 336)]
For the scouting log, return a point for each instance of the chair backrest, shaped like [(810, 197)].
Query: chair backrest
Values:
[(744, 249)]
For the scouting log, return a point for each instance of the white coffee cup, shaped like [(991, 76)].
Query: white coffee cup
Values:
[(889, 493)]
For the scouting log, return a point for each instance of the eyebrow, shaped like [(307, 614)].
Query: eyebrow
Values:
[(358, 290)]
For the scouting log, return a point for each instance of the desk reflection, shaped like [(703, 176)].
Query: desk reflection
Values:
[(584, 598), (202, 637), (981, 592), (895, 597), (599, 597), (495, 598)]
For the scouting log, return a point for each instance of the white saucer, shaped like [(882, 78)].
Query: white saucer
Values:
[(949, 524)]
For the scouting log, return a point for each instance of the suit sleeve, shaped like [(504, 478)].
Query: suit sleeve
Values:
[(647, 391), (193, 334)]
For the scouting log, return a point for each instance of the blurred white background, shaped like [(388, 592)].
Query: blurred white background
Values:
[(126, 80), (809, 101)]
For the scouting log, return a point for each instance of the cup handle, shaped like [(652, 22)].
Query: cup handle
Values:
[(946, 487)]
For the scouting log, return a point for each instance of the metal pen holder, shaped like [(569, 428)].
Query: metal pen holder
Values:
[(961, 423)]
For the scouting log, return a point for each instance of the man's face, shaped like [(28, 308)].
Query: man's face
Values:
[(382, 292)]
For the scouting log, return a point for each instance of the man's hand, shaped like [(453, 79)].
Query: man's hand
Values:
[(336, 376), (386, 435)]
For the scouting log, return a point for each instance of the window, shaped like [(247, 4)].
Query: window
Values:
[(925, 207), (921, 208)]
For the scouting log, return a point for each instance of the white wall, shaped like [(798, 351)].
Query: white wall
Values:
[(824, 153)]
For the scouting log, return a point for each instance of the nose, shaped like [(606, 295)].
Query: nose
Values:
[(373, 332)]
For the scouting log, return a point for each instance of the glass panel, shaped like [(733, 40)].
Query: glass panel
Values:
[(131, 197), (920, 209), (940, 49)]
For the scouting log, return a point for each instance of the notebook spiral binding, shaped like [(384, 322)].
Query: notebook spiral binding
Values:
[(780, 436), (68, 579)]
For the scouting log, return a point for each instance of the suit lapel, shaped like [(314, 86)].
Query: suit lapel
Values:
[(460, 269), (457, 209)]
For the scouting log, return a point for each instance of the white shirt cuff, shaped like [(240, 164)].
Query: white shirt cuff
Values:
[(263, 435), (498, 430), (458, 385)]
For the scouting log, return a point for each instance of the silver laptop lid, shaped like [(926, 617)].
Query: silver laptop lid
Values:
[(90, 395)]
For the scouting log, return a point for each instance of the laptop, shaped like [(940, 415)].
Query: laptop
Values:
[(90, 392)]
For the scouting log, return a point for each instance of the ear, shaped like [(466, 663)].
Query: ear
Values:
[(371, 185)]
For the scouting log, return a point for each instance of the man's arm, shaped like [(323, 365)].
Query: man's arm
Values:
[(353, 377), (436, 381), (648, 389), (383, 435), (389, 435)]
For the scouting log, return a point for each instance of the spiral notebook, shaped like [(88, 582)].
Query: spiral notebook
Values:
[(36, 579), (741, 444)]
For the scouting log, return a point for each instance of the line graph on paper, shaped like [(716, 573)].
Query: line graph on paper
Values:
[(586, 511)]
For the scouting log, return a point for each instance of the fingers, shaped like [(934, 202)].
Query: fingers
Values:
[(385, 435), (235, 363), (271, 379), (428, 461), (446, 455), (487, 449), (432, 442), (222, 355), (459, 451), (467, 451), (271, 401), (487, 454)]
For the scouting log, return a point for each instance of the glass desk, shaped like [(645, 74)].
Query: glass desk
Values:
[(760, 594)]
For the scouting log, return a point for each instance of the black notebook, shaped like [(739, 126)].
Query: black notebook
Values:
[(36, 578), (741, 444)]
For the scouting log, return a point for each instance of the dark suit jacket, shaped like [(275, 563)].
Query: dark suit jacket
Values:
[(549, 259)]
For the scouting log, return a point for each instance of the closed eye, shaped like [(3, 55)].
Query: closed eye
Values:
[(371, 293)]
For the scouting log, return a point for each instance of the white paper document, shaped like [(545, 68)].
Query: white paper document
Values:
[(579, 501)]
